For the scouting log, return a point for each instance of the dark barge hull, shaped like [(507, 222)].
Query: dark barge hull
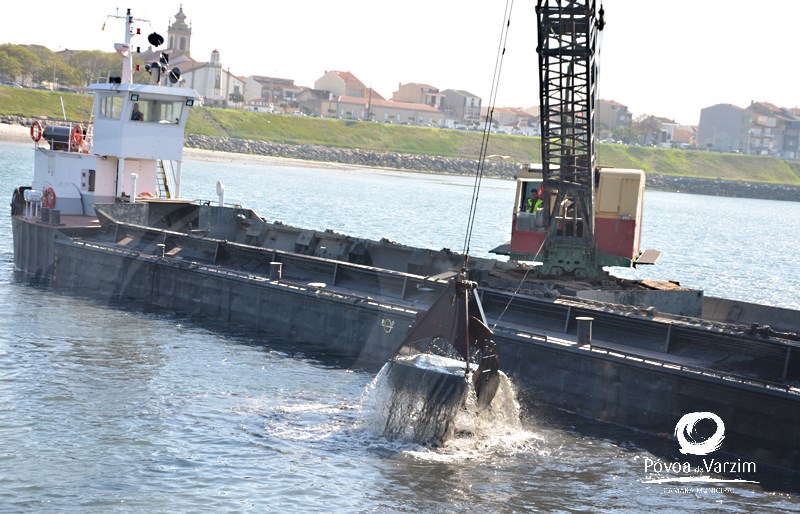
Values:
[(641, 370)]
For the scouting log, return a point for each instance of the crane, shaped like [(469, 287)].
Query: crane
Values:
[(588, 217)]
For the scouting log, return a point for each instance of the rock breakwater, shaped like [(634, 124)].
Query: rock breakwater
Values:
[(355, 157), (506, 168), (497, 169)]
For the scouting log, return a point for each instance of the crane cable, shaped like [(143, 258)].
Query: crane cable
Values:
[(519, 286), (501, 50)]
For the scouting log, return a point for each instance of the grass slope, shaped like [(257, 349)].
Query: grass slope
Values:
[(416, 140), (40, 103)]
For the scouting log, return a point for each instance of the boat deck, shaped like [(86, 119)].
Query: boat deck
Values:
[(679, 363), (65, 221), (674, 342)]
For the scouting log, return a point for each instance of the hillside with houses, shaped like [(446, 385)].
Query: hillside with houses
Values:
[(758, 129)]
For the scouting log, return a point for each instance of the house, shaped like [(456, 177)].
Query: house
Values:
[(310, 101), (509, 119), (791, 136), (341, 83), (774, 130), (725, 128), (684, 136), (273, 92), (462, 107), (655, 131), (416, 93), (611, 115), (386, 111)]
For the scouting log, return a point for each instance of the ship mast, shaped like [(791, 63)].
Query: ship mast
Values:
[(124, 49)]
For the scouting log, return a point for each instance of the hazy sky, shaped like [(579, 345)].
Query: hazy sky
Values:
[(666, 58)]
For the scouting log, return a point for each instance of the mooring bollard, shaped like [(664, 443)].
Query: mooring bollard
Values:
[(275, 270), (584, 330)]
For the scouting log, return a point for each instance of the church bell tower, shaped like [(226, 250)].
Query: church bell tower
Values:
[(180, 34)]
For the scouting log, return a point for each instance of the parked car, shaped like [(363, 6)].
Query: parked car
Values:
[(11, 84)]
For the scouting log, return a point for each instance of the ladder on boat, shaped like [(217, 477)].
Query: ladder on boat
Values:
[(164, 189)]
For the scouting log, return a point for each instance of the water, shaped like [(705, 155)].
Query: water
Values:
[(108, 408), (738, 248)]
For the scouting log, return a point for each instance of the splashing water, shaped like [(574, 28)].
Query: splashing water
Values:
[(427, 400)]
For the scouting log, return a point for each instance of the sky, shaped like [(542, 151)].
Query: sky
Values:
[(663, 58)]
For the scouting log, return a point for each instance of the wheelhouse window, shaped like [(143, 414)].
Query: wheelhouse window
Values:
[(167, 112), (111, 107), (157, 111)]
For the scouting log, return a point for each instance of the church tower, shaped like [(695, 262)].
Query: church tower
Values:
[(180, 34)]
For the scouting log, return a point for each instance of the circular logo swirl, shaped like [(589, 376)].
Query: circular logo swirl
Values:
[(685, 427)]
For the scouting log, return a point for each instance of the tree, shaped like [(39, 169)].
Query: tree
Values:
[(93, 65), (647, 128), (27, 59), (236, 97), (63, 73), (36, 63), (625, 134), (10, 67)]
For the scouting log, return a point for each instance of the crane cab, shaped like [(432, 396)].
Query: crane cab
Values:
[(618, 201), (528, 226)]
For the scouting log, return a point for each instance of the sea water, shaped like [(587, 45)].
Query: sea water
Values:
[(125, 408)]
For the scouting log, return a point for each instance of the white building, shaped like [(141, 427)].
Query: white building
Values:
[(214, 83)]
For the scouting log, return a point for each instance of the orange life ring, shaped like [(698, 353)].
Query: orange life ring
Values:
[(49, 198), (77, 135), (36, 131), (146, 194)]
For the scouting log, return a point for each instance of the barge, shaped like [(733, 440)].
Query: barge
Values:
[(104, 216)]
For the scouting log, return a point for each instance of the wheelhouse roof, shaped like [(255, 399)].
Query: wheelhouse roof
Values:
[(147, 89)]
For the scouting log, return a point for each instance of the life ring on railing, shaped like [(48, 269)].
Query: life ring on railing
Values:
[(49, 198), (146, 194), (77, 136), (36, 131)]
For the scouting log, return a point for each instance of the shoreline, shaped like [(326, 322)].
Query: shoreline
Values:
[(225, 150), (12, 133), (224, 157)]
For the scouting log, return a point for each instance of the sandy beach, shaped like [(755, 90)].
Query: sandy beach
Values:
[(14, 133), (198, 154)]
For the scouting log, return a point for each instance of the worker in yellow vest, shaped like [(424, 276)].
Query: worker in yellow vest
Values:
[(534, 202)]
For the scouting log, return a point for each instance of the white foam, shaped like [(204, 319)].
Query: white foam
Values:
[(495, 429)]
